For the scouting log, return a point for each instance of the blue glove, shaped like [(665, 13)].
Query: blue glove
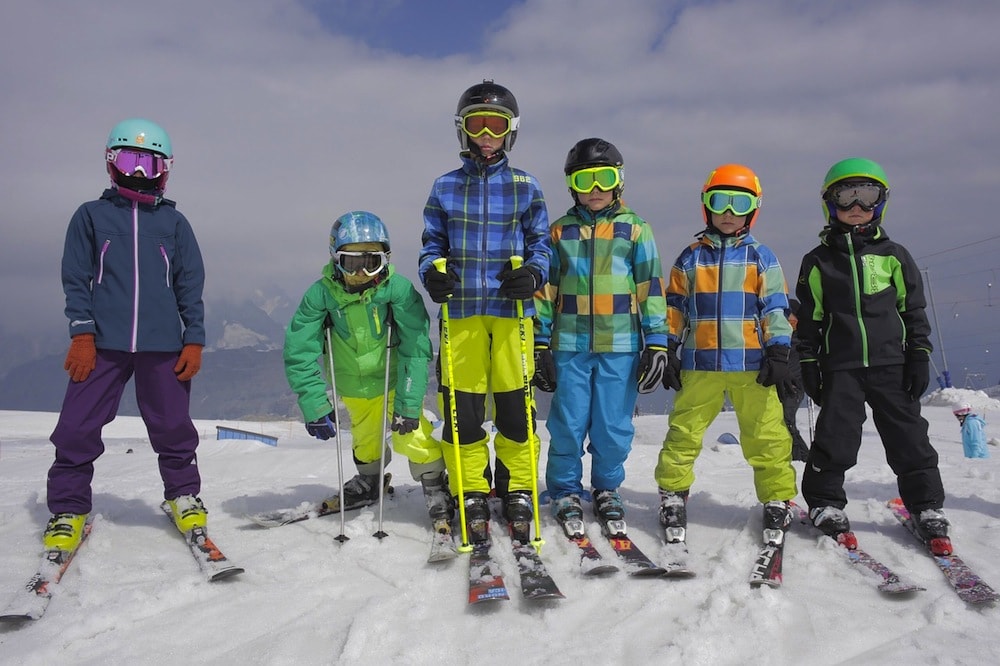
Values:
[(403, 424), (322, 428)]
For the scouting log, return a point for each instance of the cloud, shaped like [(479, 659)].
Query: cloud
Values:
[(281, 123)]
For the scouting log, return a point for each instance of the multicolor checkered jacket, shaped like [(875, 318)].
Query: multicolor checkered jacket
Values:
[(605, 289), (477, 217), (729, 296)]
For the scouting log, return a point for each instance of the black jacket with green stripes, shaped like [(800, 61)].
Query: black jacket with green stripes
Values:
[(862, 302)]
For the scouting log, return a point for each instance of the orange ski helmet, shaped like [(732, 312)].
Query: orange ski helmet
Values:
[(733, 177)]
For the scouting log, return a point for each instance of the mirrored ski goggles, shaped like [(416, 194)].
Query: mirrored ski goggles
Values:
[(478, 123), (139, 162), (846, 195), (370, 263), (605, 178), (719, 201)]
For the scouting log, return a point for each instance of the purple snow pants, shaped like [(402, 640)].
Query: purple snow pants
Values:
[(91, 404)]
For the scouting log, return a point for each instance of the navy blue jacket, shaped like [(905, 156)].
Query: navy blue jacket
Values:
[(133, 275)]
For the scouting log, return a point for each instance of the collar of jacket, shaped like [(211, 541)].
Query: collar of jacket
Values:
[(340, 293), (713, 239), (475, 167), (144, 198), (839, 238), (586, 215)]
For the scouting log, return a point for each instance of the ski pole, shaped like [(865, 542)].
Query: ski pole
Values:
[(380, 534), (441, 264), (336, 421), (809, 409), (517, 262)]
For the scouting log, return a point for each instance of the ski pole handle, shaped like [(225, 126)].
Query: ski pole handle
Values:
[(516, 261)]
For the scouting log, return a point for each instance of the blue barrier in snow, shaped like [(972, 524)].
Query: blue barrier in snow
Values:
[(223, 432)]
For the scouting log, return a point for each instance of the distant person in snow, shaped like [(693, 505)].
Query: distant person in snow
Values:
[(600, 333), (477, 217), (358, 299), (728, 335), (133, 277), (973, 432), (793, 393), (864, 337)]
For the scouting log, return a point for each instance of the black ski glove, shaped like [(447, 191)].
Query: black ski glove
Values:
[(545, 369), (672, 373), (788, 389), (916, 373), (441, 285), (653, 364), (322, 428), (403, 424), (519, 284), (812, 380), (774, 368)]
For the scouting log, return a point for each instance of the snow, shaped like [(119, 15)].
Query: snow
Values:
[(134, 594)]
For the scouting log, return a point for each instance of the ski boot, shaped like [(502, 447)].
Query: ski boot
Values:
[(777, 518), (477, 517), (568, 512), (362, 490), (64, 531), (438, 501), (188, 512), (833, 522), (933, 525), (673, 515), (610, 512), (518, 512)]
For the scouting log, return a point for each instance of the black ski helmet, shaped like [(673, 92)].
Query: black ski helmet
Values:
[(595, 152), (492, 97)]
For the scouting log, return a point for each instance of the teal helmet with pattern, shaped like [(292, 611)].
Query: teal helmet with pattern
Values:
[(358, 226)]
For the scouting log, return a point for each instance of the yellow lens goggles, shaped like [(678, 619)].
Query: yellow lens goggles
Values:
[(605, 178), (478, 123)]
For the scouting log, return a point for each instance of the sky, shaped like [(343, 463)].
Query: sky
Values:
[(134, 594), (284, 114)]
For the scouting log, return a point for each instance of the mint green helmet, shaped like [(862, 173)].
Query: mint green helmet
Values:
[(140, 133), (855, 167)]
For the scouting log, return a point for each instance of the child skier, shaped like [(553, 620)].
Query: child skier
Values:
[(133, 278), (600, 334), (864, 337), (727, 292), (477, 217), (973, 432), (359, 298)]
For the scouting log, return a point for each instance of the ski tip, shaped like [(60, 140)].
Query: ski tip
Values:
[(225, 574)]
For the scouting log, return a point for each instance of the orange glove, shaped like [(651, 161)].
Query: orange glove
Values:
[(81, 357), (189, 362)]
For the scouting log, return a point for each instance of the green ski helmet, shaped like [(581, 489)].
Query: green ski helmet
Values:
[(855, 167), (144, 135)]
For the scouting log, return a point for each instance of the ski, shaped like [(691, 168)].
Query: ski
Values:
[(536, 583), (967, 584), (213, 564), (636, 562), (675, 554), (767, 566), (327, 507), (592, 563), (485, 581), (33, 600), (892, 583), (442, 543)]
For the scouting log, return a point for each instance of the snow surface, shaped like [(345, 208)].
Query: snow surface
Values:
[(134, 594)]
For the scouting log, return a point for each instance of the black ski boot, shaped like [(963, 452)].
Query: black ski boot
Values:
[(438, 500), (518, 512), (673, 515), (777, 518), (477, 517)]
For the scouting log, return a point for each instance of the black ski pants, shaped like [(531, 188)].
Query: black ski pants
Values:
[(902, 429)]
